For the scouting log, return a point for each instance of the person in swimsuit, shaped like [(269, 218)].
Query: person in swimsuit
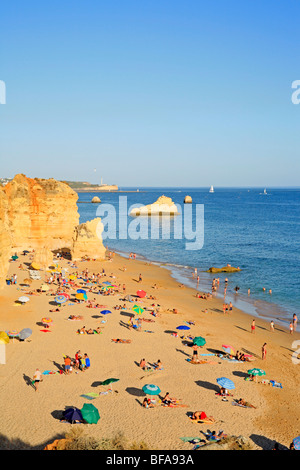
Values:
[(253, 326)]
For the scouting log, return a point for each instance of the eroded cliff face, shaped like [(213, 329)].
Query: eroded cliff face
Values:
[(42, 215), (5, 238)]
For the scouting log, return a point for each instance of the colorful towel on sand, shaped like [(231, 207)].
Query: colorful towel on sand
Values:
[(276, 384), (46, 331)]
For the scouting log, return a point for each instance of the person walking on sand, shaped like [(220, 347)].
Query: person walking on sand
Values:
[(37, 379), (253, 326), (272, 326), (291, 328), (264, 351)]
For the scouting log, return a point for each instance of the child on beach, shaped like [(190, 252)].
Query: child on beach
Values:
[(264, 351)]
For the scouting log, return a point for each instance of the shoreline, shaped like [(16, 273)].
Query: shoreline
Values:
[(250, 306), (276, 413)]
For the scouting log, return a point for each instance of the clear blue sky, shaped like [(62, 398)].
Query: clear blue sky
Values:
[(151, 93)]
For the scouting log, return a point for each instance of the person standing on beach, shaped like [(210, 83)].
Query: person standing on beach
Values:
[(37, 379), (253, 326), (140, 278), (272, 326), (291, 328), (295, 319), (264, 351)]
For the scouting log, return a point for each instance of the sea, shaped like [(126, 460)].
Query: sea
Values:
[(255, 230)]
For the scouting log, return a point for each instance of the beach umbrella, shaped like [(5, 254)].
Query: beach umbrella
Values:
[(228, 349), (255, 372), (81, 296), (4, 338), (137, 309), (23, 299), (72, 277), (110, 381), (105, 312), (47, 320), (35, 266), (27, 281), (14, 257), (12, 334), (141, 293), (25, 252), (72, 414), (60, 299), (151, 389), (81, 291), (199, 341), (90, 413), (107, 283), (67, 296), (296, 442), (25, 333), (182, 327), (226, 383)]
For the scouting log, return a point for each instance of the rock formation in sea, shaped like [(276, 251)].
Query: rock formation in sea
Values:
[(96, 199), (188, 200), (225, 269), (42, 215), (163, 206)]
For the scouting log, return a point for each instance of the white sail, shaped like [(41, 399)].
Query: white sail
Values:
[(211, 189)]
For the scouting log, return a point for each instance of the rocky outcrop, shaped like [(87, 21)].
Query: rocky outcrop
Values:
[(42, 215), (188, 200), (87, 240), (225, 269), (163, 206), (96, 199)]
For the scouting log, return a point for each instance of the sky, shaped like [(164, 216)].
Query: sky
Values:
[(151, 93)]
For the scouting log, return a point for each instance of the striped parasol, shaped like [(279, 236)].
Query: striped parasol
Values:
[(137, 309), (228, 349), (226, 383), (47, 320)]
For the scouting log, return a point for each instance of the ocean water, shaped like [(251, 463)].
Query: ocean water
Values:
[(242, 227)]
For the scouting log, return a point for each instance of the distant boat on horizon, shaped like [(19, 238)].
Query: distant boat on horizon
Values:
[(211, 190), (265, 191)]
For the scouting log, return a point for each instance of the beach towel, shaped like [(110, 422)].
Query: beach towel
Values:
[(46, 331), (201, 362), (87, 397), (275, 384)]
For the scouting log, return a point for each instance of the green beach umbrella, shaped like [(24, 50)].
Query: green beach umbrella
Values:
[(90, 413), (109, 381), (256, 372), (199, 341), (137, 309)]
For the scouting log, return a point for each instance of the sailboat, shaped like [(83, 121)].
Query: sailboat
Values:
[(211, 190), (265, 191)]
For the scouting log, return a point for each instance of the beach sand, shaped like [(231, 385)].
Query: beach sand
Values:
[(30, 419)]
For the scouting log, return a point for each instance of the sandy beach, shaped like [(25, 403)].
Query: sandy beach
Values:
[(31, 419)]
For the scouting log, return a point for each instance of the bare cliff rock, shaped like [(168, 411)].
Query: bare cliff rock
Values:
[(42, 215), (87, 240)]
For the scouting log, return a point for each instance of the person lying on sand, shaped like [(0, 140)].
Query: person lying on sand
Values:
[(202, 416), (55, 310), (167, 400), (242, 402), (147, 403), (121, 340)]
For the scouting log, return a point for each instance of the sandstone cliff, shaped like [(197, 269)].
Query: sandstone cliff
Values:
[(42, 215)]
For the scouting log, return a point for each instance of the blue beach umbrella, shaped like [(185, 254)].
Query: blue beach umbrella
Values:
[(226, 383), (72, 414), (105, 312), (60, 299), (151, 389), (81, 291), (182, 327), (107, 283)]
